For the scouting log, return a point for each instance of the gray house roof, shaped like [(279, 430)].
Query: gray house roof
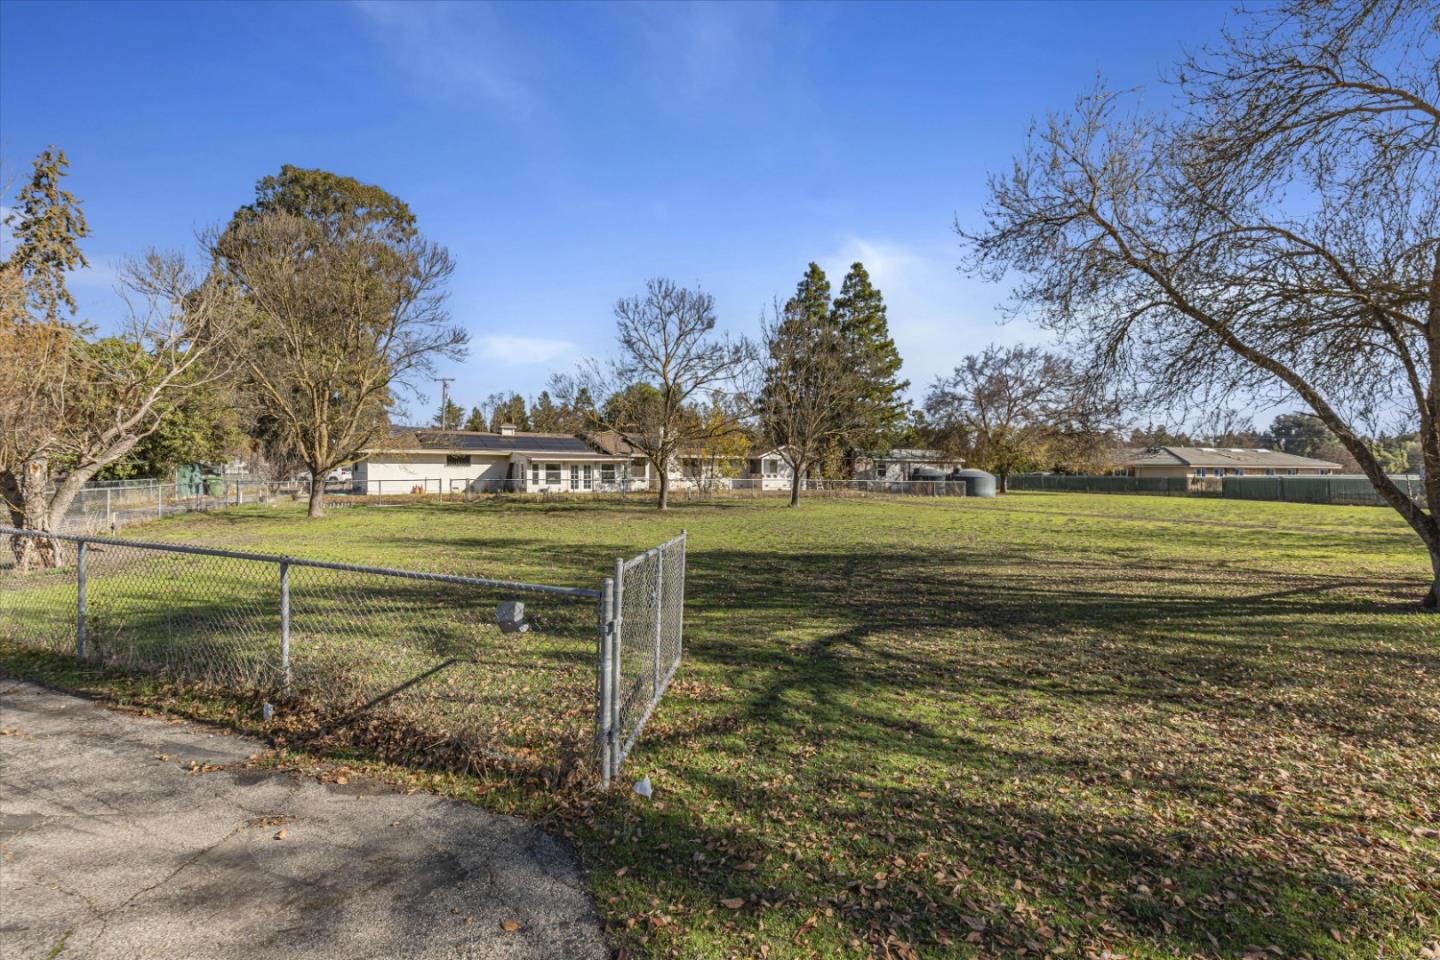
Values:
[(471, 441), (1223, 457)]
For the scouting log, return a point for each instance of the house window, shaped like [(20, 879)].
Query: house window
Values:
[(574, 476), (1200, 473), (1219, 471), (552, 474), (1239, 471), (772, 468), (1269, 472), (457, 460), (881, 471), (607, 473), (534, 472), (588, 476), (1325, 471), (1293, 472)]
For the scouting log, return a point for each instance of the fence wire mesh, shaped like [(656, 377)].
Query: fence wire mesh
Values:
[(440, 669), (649, 643), (449, 670)]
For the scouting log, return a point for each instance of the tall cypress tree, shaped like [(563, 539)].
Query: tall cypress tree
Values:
[(544, 415), (812, 294), (45, 239), (859, 312), (476, 420)]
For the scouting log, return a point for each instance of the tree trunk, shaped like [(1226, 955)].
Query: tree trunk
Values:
[(31, 492), (317, 495), (1431, 602), (795, 487), (664, 478), (1004, 482)]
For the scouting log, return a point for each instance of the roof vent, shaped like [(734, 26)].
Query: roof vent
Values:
[(507, 429)]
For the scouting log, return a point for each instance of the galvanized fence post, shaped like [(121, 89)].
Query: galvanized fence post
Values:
[(616, 651), (658, 603), (604, 680), (79, 599), (684, 573), (284, 626)]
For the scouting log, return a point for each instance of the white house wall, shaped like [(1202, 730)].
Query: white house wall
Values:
[(392, 473)]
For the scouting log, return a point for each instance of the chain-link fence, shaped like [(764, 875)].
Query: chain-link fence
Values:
[(1332, 489), (108, 506), (641, 649), (446, 670)]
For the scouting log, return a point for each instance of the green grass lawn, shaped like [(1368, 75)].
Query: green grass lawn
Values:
[(1043, 724)]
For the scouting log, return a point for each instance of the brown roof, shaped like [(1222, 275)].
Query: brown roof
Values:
[(423, 440), (613, 443)]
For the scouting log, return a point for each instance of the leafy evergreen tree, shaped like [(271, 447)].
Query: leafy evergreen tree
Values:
[(204, 427), (510, 411), (544, 415), (450, 416), (476, 420), (812, 295), (45, 238), (881, 410)]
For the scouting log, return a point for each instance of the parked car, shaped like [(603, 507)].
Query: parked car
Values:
[(338, 475)]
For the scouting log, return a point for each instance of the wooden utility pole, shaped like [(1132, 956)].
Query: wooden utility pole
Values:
[(444, 398)]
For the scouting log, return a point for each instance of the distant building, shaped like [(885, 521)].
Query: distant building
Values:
[(1202, 463), (898, 463), (482, 461)]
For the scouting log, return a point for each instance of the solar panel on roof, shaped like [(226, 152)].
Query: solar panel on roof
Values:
[(497, 443)]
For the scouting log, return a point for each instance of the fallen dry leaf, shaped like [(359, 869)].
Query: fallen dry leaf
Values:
[(733, 903), (509, 926)]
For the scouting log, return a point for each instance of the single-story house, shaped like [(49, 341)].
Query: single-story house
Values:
[(898, 463), (452, 461), (759, 469), (1201, 463)]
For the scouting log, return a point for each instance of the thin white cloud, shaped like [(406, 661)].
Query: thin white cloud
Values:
[(706, 50), (451, 49), (102, 274), (524, 351), (936, 315)]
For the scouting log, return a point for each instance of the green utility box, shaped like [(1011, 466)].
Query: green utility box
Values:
[(188, 480)]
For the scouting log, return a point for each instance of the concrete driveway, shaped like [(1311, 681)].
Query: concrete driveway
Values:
[(110, 846)]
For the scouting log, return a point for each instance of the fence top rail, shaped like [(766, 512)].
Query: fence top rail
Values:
[(660, 548), (301, 562)]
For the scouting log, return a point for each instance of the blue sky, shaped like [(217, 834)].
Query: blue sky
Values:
[(566, 153)]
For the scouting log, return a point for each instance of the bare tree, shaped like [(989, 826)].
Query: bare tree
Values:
[(805, 403), (1281, 240), (1010, 409), (84, 404), (671, 360), (335, 321)]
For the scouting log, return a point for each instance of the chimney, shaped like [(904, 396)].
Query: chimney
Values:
[(507, 429)]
